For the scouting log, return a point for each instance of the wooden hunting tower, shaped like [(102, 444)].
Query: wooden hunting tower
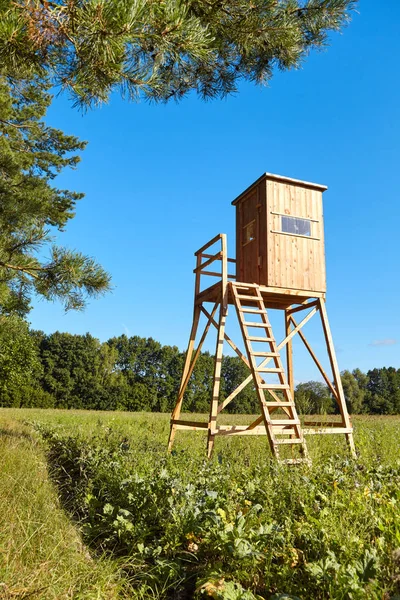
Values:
[(280, 263), (280, 234)]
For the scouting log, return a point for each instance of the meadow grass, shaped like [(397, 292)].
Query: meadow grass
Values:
[(335, 511), (377, 437), (41, 552)]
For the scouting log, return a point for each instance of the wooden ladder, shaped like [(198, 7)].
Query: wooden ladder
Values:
[(249, 301)]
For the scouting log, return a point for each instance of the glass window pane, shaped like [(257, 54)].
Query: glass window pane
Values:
[(296, 226), (249, 233)]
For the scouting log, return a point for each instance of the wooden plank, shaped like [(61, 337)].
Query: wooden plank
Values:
[(294, 216), (287, 291), (181, 423), (210, 243), (262, 233), (215, 257), (297, 235), (231, 260), (274, 386), (256, 431), (333, 430), (214, 274), (248, 252), (291, 311), (323, 424)]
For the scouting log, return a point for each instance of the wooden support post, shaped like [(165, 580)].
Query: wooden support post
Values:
[(177, 410), (336, 376), (223, 311), (212, 421), (289, 355), (189, 353)]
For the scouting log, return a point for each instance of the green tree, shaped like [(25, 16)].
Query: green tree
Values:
[(163, 49), (354, 390), (147, 365), (31, 205), (383, 391), (313, 397), (78, 372), (19, 362)]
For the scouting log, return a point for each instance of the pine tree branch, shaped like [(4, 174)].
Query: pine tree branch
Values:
[(21, 269)]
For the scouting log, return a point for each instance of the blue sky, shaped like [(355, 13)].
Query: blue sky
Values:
[(159, 180)]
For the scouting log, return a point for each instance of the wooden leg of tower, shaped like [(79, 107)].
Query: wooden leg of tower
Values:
[(289, 355), (212, 421), (177, 410), (336, 377)]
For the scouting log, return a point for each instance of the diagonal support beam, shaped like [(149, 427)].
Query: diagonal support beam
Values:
[(240, 354), (226, 337), (312, 353), (196, 356), (244, 383), (283, 343)]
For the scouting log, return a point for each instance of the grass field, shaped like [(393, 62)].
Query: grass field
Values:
[(93, 508)]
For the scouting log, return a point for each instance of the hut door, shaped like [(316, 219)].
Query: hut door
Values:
[(249, 271)]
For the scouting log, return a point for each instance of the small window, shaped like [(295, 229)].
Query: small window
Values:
[(296, 226), (249, 232)]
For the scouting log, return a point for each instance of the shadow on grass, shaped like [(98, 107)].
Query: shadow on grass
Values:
[(13, 433)]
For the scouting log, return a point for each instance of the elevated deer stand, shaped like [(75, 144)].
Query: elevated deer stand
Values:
[(280, 265)]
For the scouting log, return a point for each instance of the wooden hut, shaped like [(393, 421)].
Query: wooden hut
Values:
[(280, 234)]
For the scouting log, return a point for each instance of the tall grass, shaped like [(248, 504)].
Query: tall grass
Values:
[(41, 552)]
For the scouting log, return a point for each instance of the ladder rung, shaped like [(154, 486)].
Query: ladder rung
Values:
[(245, 297), (245, 286), (289, 441), (260, 353), (253, 324), (255, 311), (273, 386), (271, 370), (277, 404), (255, 338), (281, 422)]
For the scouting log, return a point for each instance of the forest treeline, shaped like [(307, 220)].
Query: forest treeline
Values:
[(62, 370)]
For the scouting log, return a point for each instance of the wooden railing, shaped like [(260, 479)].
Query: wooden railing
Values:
[(205, 259)]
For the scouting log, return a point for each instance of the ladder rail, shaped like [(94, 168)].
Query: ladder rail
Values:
[(273, 426)]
